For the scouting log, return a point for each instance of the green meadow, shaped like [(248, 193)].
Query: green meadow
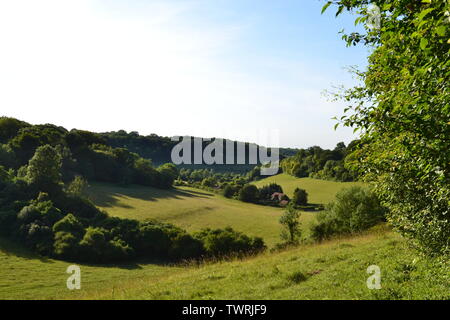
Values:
[(331, 270), (319, 191)]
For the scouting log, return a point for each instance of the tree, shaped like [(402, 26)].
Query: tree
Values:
[(249, 193), (401, 108), (77, 187), (229, 191), (354, 210), (168, 174), (291, 224), (267, 191), (44, 168), (300, 197)]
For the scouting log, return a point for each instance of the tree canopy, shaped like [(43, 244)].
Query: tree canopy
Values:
[(402, 109)]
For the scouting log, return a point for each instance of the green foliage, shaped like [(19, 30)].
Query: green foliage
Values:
[(291, 225), (354, 210), (7, 156), (77, 187), (249, 193), (9, 127), (168, 174), (318, 163), (224, 242), (229, 191), (44, 169), (402, 111), (300, 197), (266, 191)]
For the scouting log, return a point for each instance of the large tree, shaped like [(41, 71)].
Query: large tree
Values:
[(402, 109), (44, 168)]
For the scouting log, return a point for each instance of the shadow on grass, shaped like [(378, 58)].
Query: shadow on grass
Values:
[(107, 195), (10, 248), (312, 207)]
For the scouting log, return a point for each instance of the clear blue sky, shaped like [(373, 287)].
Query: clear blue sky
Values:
[(240, 69)]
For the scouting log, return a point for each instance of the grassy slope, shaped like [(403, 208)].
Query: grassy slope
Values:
[(319, 191), (194, 209), (191, 209), (337, 267), (334, 270)]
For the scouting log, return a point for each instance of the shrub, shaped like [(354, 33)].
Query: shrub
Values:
[(44, 168), (69, 224), (7, 222), (229, 191), (66, 245), (266, 192), (77, 187), (249, 193), (291, 225), (94, 245), (300, 197), (38, 237), (222, 242), (355, 209), (153, 241), (184, 246)]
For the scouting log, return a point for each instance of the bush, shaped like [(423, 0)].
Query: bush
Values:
[(300, 197), (153, 241), (290, 222), (77, 187), (249, 193), (355, 209), (69, 224), (265, 193), (184, 246), (66, 245), (229, 191), (223, 242), (7, 222)]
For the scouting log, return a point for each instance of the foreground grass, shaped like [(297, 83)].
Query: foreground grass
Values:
[(319, 191), (192, 209), (332, 270)]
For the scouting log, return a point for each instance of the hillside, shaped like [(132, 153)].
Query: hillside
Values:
[(332, 270), (194, 209), (191, 209), (319, 191)]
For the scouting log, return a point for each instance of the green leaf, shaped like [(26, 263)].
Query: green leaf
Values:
[(424, 13), (423, 43), (339, 11), (326, 6), (440, 31)]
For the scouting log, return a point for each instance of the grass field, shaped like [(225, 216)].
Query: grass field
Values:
[(332, 270), (192, 209), (319, 191)]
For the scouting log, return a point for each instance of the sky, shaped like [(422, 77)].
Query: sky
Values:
[(247, 70)]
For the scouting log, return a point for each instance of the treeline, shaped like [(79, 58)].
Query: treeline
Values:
[(319, 163), (159, 150), (83, 153), (52, 218)]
